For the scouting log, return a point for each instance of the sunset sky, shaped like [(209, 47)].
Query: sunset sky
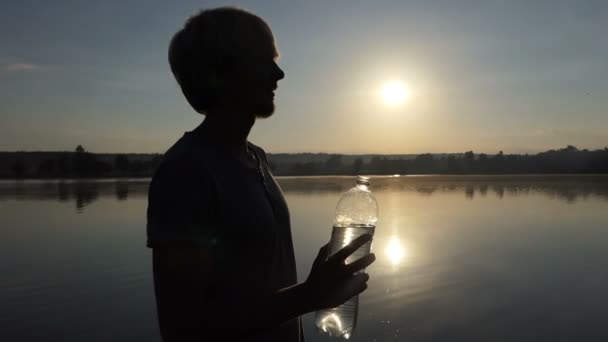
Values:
[(481, 75)]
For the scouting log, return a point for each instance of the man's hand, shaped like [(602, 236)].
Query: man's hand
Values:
[(331, 282)]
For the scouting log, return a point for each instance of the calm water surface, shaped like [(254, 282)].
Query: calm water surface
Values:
[(469, 258)]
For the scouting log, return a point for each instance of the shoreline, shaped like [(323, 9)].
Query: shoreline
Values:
[(434, 175)]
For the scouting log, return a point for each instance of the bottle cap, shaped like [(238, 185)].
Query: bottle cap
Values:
[(363, 180)]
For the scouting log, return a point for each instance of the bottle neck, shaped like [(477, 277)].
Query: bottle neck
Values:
[(362, 182)]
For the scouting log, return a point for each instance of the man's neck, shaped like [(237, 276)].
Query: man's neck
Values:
[(228, 129)]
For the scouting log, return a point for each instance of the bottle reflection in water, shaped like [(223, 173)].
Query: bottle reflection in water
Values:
[(356, 214)]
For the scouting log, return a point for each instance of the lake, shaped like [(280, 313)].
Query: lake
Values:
[(459, 258)]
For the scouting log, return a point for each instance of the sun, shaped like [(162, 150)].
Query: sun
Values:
[(394, 93)]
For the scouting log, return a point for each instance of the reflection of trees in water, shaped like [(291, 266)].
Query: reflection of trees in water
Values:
[(85, 194), (63, 191), (82, 192), (312, 185), (483, 189), (423, 190), (566, 188), (122, 191), (469, 191), (563, 187), (499, 190)]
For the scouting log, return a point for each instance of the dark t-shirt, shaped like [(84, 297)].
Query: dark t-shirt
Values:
[(203, 197)]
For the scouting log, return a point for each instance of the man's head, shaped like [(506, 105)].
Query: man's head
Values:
[(225, 58)]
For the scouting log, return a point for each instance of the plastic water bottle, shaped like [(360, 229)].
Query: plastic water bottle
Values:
[(356, 214)]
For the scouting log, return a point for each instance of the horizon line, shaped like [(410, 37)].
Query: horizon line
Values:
[(329, 153)]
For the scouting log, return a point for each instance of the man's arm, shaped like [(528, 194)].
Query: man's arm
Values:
[(189, 312)]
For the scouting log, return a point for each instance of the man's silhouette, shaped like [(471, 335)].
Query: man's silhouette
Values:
[(223, 258)]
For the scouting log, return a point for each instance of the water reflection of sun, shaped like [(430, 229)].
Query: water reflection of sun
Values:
[(395, 251)]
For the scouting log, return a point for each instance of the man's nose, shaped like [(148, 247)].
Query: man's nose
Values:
[(280, 74)]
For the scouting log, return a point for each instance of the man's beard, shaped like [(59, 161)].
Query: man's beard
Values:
[(264, 110)]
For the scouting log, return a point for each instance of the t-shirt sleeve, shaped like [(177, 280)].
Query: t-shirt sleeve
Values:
[(180, 206)]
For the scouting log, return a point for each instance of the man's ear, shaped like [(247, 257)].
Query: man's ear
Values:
[(216, 80), (213, 80)]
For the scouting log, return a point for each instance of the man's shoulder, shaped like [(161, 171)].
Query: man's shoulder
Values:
[(184, 150), (182, 161), (260, 151)]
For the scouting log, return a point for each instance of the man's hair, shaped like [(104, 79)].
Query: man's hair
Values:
[(202, 52)]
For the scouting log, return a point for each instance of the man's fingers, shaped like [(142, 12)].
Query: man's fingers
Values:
[(323, 250), (322, 256), (351, 286), (360, 264), (357, 284), (349, 249), (361, 277)]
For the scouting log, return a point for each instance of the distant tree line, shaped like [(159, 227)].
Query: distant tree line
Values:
[(83, 164), (566, 160), (79, 164)]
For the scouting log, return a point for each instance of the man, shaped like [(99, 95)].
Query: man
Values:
[(223, 259)]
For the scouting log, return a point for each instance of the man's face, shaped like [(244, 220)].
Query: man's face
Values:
[(255, 78)]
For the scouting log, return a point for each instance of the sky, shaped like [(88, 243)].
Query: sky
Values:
[(516, 76)]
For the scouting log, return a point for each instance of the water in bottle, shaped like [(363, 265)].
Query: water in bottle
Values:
[(356, 214)]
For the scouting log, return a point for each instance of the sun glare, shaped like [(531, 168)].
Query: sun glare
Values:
[(395, 251), (394, 93)]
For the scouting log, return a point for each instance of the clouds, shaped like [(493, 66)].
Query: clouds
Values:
[(20, 67)]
